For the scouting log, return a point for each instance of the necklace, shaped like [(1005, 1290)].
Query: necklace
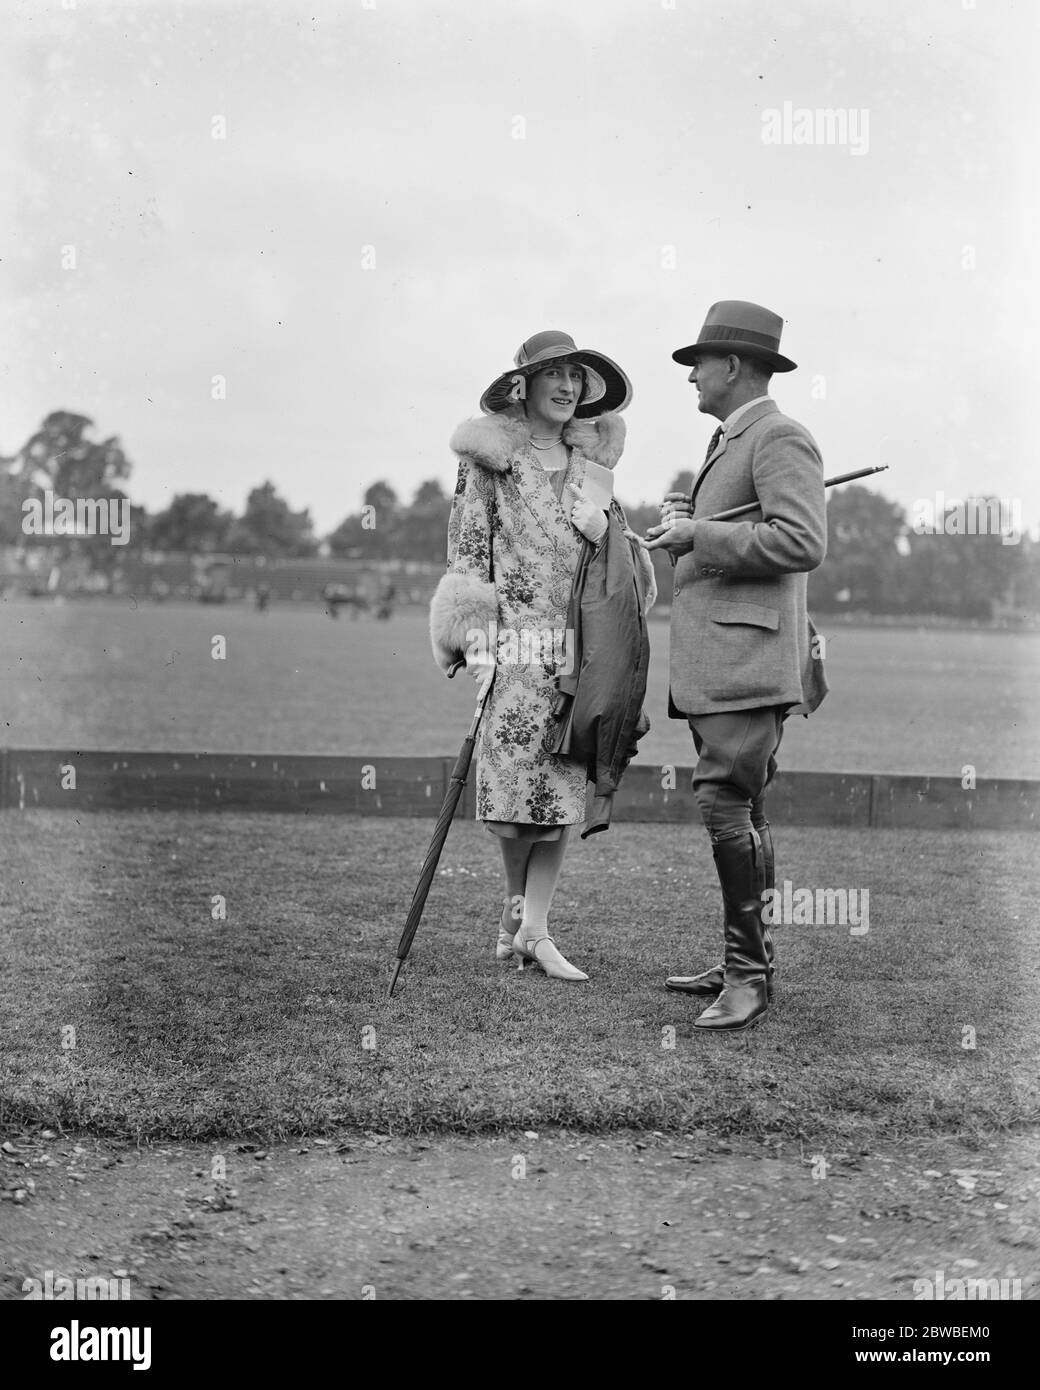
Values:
[(544, 447)]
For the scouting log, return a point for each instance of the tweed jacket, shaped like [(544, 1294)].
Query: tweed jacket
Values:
[(740, 634)]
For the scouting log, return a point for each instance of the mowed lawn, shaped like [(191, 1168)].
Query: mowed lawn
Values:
[(127, 1008), (122, 675)]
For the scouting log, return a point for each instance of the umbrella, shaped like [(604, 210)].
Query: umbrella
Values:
[(440, 833)]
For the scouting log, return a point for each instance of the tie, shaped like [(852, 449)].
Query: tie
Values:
[(712, 446)]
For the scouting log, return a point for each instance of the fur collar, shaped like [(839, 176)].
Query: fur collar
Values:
[(493, 441)]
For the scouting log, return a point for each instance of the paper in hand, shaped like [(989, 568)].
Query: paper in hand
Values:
[(598, 485)]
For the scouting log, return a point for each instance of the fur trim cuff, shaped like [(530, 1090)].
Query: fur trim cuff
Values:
[(460, 603), (648, 587)]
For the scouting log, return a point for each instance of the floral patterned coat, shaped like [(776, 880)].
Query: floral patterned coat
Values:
[(512, 553)]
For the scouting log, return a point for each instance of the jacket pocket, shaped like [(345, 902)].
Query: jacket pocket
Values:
[(750, 614)]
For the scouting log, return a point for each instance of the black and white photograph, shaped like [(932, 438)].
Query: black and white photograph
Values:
[(519, 650)]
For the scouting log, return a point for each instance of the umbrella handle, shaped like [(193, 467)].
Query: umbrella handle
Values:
[(453, 669)]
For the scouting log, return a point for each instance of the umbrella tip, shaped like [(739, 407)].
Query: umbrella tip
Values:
[(393, 980)]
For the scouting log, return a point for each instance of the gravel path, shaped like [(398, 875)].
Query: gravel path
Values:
[(552, 1216)]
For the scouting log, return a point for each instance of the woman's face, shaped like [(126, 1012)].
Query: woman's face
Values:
[(554, 392)]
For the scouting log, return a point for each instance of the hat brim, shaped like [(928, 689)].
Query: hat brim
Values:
[(609, 388), (687, 356)]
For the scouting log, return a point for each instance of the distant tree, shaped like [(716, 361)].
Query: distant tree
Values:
[(269, 527), (14, 489), (1027, 590), (422, 529), (192, 522), (382, 498), (863, 565), (60, 457), (371, 533), (958, 574)]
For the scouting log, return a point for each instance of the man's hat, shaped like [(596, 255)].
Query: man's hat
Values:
[(748, 330), (606, 385)]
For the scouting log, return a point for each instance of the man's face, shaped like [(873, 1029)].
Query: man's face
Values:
[(709, 376)]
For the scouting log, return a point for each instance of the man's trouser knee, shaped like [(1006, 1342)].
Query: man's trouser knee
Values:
[(736, 761)]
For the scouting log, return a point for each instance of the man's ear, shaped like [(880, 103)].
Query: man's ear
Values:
[(734, 366)]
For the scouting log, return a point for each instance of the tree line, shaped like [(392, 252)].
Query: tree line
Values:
[(879, 559), (877, 562)]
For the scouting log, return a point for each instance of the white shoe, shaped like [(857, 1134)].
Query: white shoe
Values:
[(542, 951), (504, 949)]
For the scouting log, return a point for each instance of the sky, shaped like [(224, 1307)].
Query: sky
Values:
[(348, 216)]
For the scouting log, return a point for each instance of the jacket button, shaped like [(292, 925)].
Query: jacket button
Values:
[(678, 590)]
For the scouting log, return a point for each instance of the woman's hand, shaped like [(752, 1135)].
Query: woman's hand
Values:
[(482, 668), (591, 521)]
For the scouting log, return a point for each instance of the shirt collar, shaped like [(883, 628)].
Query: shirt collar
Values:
[(732, 419)]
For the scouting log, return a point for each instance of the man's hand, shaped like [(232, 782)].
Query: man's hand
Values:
[(676, 537), (675, 507)]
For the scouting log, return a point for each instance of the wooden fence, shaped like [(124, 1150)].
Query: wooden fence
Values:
[(314, 784)]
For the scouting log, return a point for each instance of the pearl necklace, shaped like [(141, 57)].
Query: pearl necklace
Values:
[(544, 447)]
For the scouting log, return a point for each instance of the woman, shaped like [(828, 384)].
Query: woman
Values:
[(518, 525)]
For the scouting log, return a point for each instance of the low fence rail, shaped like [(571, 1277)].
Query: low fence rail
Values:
[(316, 784)]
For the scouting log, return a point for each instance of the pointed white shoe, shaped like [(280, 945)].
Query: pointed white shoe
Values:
[(542, 951), (506, 930)]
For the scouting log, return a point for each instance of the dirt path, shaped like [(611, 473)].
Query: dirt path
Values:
[(580, 1217)]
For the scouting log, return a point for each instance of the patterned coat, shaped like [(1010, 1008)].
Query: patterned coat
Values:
[(512, 553)]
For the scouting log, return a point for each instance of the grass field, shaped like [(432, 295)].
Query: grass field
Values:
[(118, 675), (190, 1027)]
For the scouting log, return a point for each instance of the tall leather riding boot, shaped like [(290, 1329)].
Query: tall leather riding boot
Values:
[(744, 998), (710, 981), (765, 835)]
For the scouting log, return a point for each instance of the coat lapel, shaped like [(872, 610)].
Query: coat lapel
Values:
[(720, 449), (748, 418), (537, 492)]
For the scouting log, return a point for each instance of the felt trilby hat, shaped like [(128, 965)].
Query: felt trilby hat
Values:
[(606, 385), (748, 330)]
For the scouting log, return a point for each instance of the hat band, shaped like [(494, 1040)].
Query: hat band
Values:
[(720, 333), (546, 355)]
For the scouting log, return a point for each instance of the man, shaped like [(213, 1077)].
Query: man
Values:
[(744, 654)]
